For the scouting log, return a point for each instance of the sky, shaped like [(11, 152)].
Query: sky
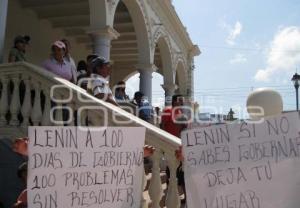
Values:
[(245, 44)]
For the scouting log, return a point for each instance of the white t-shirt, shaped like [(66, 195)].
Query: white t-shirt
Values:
[(100, 85)]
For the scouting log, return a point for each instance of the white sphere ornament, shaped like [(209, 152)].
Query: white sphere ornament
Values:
[(264, 102)]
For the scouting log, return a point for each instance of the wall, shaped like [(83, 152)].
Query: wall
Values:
[(22, 21)]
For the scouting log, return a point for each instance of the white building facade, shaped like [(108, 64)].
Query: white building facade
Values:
[(142, 36), (139, 36)]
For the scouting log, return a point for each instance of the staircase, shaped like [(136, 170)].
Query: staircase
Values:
[(17, 114)]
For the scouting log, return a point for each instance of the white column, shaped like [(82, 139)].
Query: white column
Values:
[(101, 40), (26, 107), (15, 102), (144, 184), (169, 92), (155, 189), (172, 199), (3, 17), (146, 79)]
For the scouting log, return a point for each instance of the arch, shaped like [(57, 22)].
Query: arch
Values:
[(157, 81), (128, 76), (162, 41), (182, 77), (137, 13)]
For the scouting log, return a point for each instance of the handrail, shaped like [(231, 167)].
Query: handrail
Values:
[(40, 81), (12, 68)]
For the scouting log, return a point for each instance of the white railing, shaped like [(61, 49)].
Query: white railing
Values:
[(33, 107)]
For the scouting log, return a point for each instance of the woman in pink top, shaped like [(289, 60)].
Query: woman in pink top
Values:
[(57, 64)]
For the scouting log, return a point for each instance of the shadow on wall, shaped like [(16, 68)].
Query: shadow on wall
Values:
[(10, 185)]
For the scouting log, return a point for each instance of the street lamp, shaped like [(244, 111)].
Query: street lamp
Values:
[(296, 81)]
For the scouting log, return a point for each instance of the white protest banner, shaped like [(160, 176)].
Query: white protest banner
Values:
[(244, 165), (71, 167)]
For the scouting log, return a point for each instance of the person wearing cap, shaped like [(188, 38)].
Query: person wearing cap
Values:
[(145, 110), (173, 121), (120, 93), (17, 53), (99, 80), (57, 64)]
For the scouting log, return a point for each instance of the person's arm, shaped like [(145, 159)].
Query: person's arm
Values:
[(106, 97), (21, 201), (148, 150), (20, 146), (179, 154)]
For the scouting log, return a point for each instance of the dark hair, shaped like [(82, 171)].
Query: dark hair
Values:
[(175, 98), (91, 57), (53, 46), (27, 38), (120, 85), (81, 65), (98, 62), (21, 39), (65, 41), (138, 94)]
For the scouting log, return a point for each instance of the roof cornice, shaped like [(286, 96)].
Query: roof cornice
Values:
[(166, 8)]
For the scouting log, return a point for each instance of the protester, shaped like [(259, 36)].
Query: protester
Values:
[(100, 76), (57, 63), (100, 88), (172, 121), (144, 110), (120, 93), (17, 52), (69, 58)]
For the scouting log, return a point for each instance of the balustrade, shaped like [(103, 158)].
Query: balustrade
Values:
[(4, 100), (26, 106), (15, 101), (36, 110)]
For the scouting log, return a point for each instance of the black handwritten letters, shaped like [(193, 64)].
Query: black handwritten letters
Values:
[(242, 165), (73, 168)]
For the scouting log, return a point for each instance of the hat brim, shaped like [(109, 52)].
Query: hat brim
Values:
[(60, 47)]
